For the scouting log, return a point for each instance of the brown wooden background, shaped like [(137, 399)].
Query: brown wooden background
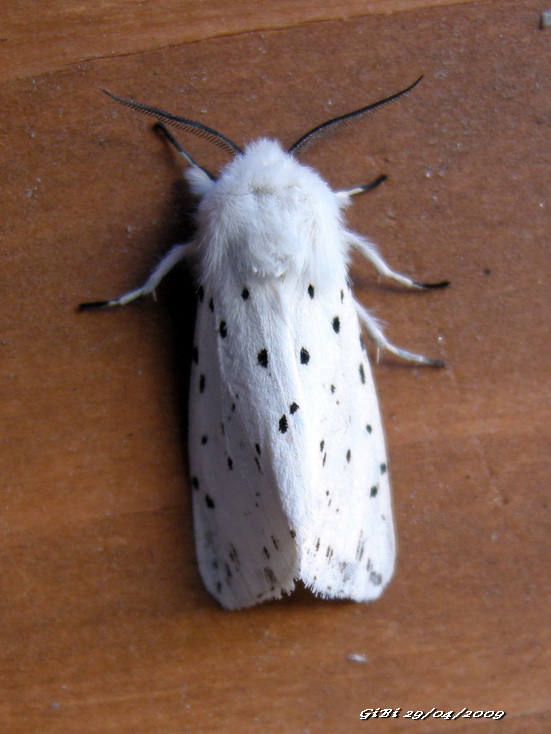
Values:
[(105, 626)]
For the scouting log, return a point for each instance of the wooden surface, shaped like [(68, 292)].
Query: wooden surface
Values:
[(105, 624)]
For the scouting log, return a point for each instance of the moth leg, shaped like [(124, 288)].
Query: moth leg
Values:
[(375, 333), (369, 251), (348, 193), (173, 256), (161, 128)]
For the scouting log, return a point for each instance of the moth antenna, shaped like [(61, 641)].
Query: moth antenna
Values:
[(190, 126), (343, 120)]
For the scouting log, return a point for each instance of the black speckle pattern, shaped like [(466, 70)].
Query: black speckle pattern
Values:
[(349, 422)]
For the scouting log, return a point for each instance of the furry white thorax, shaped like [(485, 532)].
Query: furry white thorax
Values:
[(268, 217)]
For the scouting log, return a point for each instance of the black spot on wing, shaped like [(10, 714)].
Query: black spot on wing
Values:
[(202, 381), (270, 575), (209, 501), (311, 290), (194, 482), (383, 468), (375, 578), (262, 358), (304, 356), (336, 324), (204, 440), (200, 293), (211, 305), (368, 428), (283, 424), (223, 329), (373, 491), (245, 294), (293, 408), (362, 374)]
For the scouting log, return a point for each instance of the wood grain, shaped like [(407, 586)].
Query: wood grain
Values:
[(62, 33), (105, 623)]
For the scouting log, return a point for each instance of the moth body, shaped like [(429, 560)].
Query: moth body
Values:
[(287, 454)]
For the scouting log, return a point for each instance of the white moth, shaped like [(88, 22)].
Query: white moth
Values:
[(287, 454)]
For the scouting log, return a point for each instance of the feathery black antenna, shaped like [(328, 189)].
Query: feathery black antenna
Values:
[(343, 120), (196, 128)]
